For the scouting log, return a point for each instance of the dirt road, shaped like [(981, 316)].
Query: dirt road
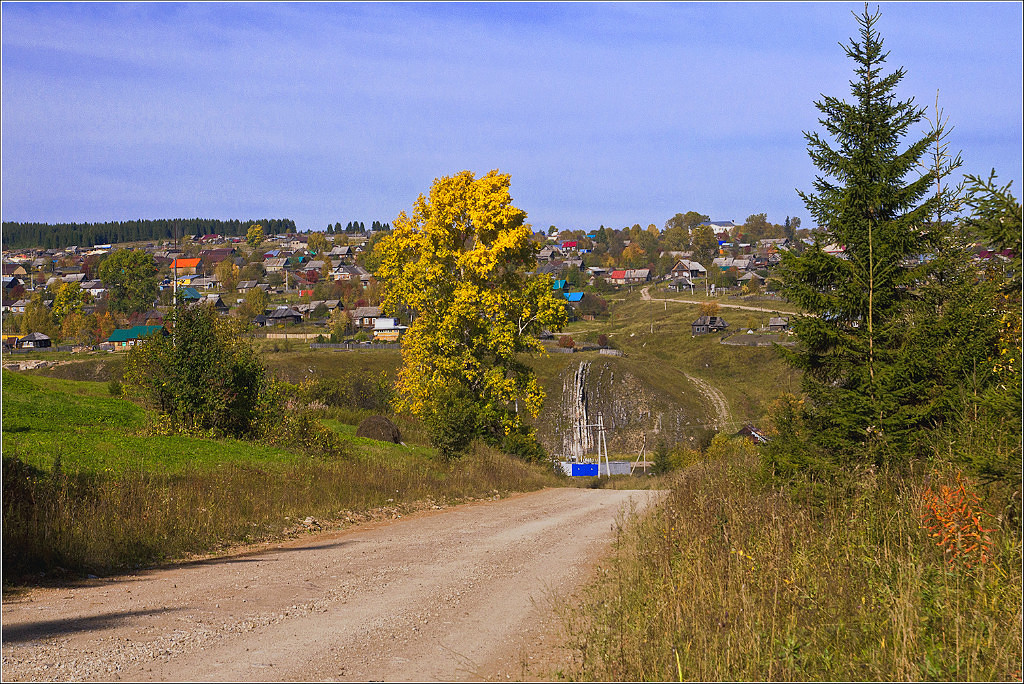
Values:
[(454, 594), (645, 294)]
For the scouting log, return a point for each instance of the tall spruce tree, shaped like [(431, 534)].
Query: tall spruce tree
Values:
[(865, 388)]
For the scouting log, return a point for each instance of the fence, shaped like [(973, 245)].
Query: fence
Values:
[(371, 346), (33, 350), (293, 336)]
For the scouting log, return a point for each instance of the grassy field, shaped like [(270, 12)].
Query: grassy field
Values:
[(87, 491), (734, 580), (657, 336)]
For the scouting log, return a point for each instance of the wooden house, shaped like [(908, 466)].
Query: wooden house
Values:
[(708, 324)]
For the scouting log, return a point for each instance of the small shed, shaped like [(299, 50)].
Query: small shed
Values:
[(777, 324)]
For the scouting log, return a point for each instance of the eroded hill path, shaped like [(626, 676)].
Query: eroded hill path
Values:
[(463, 593)]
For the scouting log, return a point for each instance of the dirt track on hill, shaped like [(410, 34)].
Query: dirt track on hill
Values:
[(465, 593), (645, 294)]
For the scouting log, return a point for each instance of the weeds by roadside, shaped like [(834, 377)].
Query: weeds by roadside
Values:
[(731, 579), (88, 522)]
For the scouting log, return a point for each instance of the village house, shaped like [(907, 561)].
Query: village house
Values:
[(129, 337), (719, 226), (189, 295), (342, 252), (777, 324), (548, 254), (215, 301), (274, 264), (680, 285), (387, 329), (282, 315), (19, 306), (708, 324), (95, 288), (212, 257), (685, 268), (617, 277), (35, 341), (364, 316), (637, 275), (182, 266), (748, 277)]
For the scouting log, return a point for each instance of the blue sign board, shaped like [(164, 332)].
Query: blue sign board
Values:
[(584, 470)]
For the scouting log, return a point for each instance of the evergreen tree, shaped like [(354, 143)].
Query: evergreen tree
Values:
[(868, 391)]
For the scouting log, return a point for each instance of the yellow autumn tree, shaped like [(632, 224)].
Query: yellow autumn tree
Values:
[(458, 268)]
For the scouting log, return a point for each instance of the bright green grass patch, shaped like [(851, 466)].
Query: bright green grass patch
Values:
[(46, 418), (371, 448)]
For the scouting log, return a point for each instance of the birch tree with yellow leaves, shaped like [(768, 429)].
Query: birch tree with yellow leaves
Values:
[(458, 267)]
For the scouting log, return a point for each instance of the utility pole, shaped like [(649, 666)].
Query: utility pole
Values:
[(602, 445)]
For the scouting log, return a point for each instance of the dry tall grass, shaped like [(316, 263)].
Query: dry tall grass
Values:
[(730, 580), (100, 523)]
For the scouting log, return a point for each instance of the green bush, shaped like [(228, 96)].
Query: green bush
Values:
[(524, 445), (451, 421), (206, 375)]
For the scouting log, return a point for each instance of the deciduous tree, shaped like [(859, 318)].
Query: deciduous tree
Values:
[(458, 267), (70, 298), (130, 278), (254, 236), (227, 274), (316, 243)]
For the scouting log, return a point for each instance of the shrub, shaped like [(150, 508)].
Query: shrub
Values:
[(524, 445), (302, 431), (206, 375), (451, 421), (566, 342)]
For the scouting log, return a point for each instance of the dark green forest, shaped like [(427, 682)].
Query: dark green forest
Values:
[(51, 236)]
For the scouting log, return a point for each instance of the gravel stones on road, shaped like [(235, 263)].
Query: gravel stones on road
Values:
[(464, 593)]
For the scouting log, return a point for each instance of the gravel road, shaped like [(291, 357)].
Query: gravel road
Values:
[(463, 593)]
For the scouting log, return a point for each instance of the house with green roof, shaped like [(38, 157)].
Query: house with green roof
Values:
[(129, 337)]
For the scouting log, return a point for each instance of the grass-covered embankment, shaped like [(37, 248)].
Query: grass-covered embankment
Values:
[(731, 579), (87, 489)]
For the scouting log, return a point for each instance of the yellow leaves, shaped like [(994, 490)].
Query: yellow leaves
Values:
[(459, 265)]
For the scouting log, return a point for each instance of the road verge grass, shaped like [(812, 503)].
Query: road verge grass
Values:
[(85, 491), (731, 580)]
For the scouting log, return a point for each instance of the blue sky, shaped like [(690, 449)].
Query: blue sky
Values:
[(605, 113)]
